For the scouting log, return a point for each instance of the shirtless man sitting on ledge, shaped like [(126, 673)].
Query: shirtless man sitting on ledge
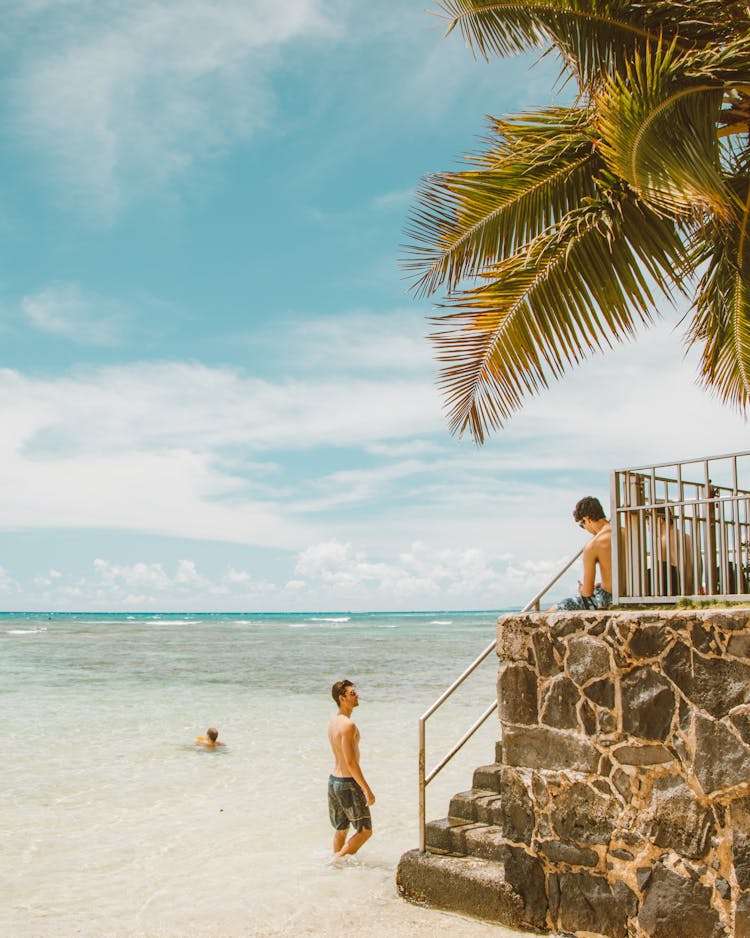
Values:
[(589, 515)]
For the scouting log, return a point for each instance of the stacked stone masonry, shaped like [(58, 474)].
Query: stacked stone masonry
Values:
[(619, 801)]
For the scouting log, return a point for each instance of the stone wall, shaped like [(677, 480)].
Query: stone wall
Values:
[(619, 804)]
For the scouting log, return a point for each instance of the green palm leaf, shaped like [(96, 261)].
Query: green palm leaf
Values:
[(592, 36), (708, 24), (535, 169), (573, 292), (571, 217), (721, 311), (658, 132)]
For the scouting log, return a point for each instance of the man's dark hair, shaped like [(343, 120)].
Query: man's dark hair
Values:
[(339, 690), (588, 507)]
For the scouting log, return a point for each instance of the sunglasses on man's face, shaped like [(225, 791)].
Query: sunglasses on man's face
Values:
[(582, 524)]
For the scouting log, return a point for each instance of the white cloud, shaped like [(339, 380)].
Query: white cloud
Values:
[(352, 343), (137, 576), (120, 98), (464, 575), (7, 583), (66, 310), (331, 574), (191, 407), (148, 586), (359, 485), (348, 471), (169, 448), (398, 199)]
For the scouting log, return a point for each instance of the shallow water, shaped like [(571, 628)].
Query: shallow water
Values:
[(116, 825)]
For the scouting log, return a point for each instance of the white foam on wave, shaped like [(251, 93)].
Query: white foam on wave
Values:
[(157, 620), (441, 621), (331, 619), (25, 631)]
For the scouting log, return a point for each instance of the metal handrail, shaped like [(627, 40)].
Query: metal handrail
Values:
[(424, 780)]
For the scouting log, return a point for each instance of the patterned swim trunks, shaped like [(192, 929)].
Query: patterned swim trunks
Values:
[(347, 804), (599, 599)]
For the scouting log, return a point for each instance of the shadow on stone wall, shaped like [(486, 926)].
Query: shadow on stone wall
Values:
[(619, 801)]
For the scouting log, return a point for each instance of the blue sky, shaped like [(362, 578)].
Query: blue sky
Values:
[(215, 388)]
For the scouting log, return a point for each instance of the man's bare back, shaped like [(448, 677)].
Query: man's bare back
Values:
[(598, 552)]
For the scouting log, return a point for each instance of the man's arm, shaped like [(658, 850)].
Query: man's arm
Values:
[(350, 754)]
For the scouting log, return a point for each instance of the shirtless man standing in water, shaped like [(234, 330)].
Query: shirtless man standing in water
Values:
[(349, 795)]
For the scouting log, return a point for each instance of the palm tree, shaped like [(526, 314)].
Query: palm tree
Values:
[(557, 238)]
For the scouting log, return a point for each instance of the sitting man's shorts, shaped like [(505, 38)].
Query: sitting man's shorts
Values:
[(599, 599), (347, 804)]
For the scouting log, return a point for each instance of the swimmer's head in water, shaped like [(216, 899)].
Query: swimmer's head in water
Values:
[(212, 734)]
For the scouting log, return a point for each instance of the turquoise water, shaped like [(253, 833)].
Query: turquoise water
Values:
[(117, 825)]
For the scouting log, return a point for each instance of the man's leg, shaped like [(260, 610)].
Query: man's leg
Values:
[(355, 842), (339, 839)]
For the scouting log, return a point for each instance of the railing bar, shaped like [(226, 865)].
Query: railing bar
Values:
[(459, 681), (424, 781), (548, 587), (643, 553), (614, 501), (668, 525), (724, 579), (490, 648), (684, 462), (688, 502), (710, 541), (422, 786), (459, 745), (680, 537)]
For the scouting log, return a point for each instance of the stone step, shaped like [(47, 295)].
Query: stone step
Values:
[(488, 777), (472, 886), (474, 805), (449, 834)]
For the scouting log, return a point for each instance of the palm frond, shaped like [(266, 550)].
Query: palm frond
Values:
[(658, 132), (534, 170), (593, 37), (708, 23), (571, 218), (574, 291), (721, 311)]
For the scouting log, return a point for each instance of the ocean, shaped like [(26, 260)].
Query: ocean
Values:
[(115, 824)]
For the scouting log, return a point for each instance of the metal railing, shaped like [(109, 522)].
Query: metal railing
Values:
[(683, 530), (425, 779)]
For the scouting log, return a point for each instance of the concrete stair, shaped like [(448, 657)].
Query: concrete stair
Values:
[(472, 810), (468, 866)]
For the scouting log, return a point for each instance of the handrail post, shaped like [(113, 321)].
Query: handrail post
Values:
[(422, 793), (614, 519)]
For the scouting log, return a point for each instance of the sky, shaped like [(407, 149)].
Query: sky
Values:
[(216, 389)]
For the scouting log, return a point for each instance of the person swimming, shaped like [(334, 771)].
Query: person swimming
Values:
[(210, 740)]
